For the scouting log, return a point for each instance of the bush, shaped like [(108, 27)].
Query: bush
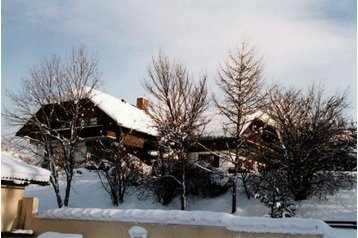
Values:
[(204, 184), (272, 190), (199, 183)]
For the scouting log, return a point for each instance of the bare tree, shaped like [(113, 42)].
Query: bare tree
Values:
[(50, 108), (240, 80), (177, 109), (117, 168), (316, 144), (113, 169)]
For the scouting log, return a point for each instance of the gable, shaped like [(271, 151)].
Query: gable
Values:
[(112, 111)]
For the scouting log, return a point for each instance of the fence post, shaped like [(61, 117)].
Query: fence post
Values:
[(29, 208)]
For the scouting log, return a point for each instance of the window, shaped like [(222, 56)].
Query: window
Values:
[(138, 232), (216, 162), (93, 121)]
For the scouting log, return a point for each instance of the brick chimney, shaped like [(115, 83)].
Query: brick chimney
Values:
[(142, 103)]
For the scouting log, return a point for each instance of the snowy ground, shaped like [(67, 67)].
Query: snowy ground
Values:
[(87, 192)]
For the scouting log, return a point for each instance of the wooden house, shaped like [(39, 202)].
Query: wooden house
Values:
[(103, 118), (106, 118), (220, 151)]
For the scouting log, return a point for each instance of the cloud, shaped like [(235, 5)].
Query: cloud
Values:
[(301, 41)]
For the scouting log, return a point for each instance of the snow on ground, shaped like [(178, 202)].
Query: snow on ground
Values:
[(87, 192), (340, 207)]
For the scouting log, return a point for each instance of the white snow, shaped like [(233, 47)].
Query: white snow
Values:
[(50, 234), (123, 113), (87, 193), (136, 231), (264, 117), (22, 231), (20, 172), (202, 218)]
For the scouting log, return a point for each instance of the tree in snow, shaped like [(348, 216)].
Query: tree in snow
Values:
[(163, 182), (273, 192), (316, 142), (117, 168), (112, 170), (202, 180), (177, 109), (51, 106), (240, 80)]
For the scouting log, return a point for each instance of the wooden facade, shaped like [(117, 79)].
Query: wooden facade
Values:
[(220, 150), (94, 126)]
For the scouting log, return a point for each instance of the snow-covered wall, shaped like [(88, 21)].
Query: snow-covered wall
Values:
[(194, 218)]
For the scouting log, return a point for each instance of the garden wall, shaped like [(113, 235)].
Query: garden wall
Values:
[(93, 223), (98, 229)]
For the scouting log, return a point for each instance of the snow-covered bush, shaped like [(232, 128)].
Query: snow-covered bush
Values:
[(118, 170), (204, 183), (272, 190), (201, 182), (165, 189), (161, 183)]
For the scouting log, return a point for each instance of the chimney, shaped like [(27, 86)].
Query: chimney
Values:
[(142, 103)]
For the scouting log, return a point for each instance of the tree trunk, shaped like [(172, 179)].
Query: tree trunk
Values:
[(183, 195), (234, 181), (122, 188), (56, 188), (68, 189), (162, 168), (54, 176), (70, 171), (244, 182), (233, 188), (114, 196), (302, 194), (301, 189)]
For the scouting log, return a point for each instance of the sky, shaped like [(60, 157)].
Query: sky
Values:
[(301, 41)]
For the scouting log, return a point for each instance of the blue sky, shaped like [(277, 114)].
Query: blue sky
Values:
[(301, 41)]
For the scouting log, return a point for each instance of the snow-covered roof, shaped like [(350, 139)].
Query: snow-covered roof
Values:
[(264, 117), (21, 173), (123, 113), (202, 218)]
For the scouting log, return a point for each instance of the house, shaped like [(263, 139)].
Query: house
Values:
[(106, 118), (220, 151), (103, 118), (15, 176)]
